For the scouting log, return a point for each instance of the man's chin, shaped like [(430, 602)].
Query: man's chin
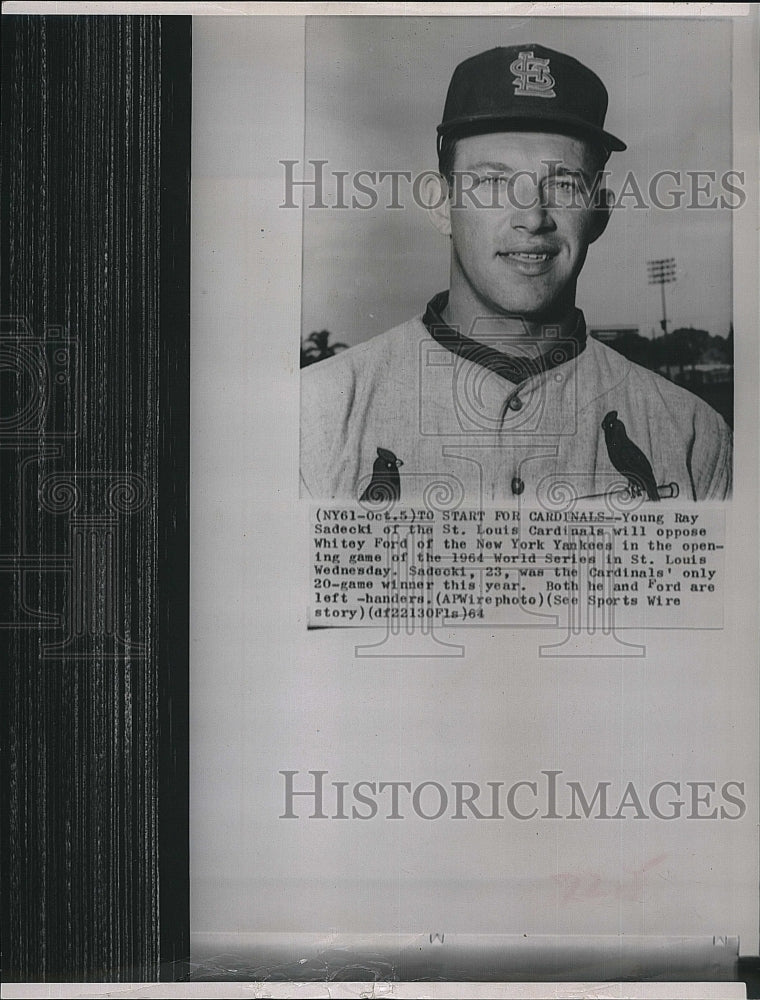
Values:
[(535, 312), (538, 305)]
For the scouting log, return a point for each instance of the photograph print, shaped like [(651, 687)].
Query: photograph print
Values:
[(516, 260)]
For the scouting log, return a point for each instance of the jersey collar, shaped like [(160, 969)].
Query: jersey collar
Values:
[(515, 368)]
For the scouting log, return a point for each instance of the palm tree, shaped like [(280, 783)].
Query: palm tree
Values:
[(317, 347)]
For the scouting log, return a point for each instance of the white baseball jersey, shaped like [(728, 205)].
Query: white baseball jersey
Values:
[(463, 432)]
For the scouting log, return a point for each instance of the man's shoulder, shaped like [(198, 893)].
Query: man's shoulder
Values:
[(652, 385), (364, 359), (344, 395)]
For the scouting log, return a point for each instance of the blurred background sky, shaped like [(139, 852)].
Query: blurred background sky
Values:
[(375, 89)]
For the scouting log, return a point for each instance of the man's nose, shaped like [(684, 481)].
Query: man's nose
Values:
[(528, 210)]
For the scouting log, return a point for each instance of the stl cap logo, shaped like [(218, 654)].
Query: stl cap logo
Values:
[(532, 76)]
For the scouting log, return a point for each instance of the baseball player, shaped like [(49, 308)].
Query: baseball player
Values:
[(495, 392)]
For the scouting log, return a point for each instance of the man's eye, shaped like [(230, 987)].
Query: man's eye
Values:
[(493, 179)]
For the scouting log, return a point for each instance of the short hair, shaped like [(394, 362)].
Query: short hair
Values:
[(446, 154), (448, 147)]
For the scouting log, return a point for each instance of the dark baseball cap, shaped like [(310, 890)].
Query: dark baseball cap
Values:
[(526, 87)]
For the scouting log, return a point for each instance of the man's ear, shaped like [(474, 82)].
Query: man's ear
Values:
[(434, 193), (604, 202)]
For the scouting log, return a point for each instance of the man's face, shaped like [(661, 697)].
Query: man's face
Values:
[(524, 256)]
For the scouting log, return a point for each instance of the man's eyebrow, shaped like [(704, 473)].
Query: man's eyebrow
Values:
[(560, 170), (488, 165), (557, 169)]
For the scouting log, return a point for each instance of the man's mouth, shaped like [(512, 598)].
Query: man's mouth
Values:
[(529, 263), (524, 255)]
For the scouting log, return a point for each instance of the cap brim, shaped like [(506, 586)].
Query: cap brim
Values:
[(561, 124)]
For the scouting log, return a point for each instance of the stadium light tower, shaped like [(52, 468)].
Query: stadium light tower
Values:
[(662, 272)]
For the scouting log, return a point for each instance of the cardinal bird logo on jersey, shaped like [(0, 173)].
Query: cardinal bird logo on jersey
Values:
[(385, 486), (628, 458)]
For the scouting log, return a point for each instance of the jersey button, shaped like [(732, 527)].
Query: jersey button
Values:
[(517, 486), (515, 403)]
